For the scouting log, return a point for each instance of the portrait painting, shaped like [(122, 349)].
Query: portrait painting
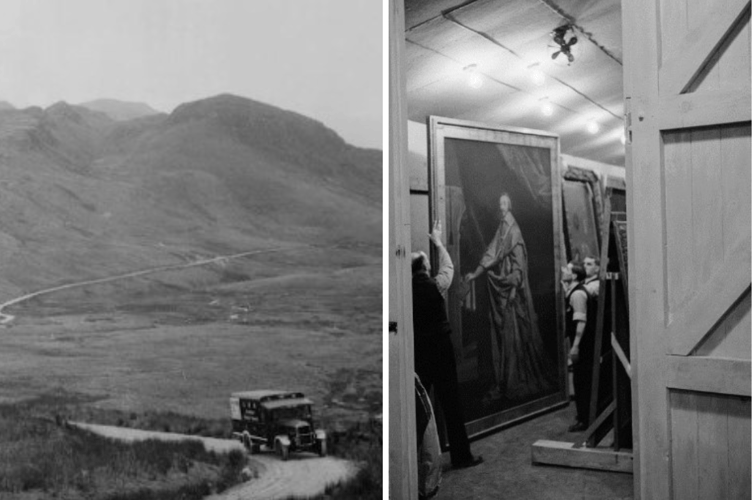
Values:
[(498, 193)]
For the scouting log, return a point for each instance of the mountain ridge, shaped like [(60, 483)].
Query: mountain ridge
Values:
[(120, 110), (222, 174)]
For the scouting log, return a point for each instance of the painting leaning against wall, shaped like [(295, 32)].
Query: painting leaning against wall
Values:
[(499, 192)]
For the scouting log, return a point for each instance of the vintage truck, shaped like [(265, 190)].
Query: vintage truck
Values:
[(277, 420)]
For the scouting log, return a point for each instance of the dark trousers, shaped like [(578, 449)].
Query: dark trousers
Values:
[(582, 378), (437, 369)]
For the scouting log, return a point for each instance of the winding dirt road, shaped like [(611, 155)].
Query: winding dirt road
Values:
[(303, 475), (7, 318)]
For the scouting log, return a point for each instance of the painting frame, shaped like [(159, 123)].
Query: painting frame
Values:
[(442, 131), (592, 204)]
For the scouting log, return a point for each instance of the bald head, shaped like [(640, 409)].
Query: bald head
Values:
[(420, 263)]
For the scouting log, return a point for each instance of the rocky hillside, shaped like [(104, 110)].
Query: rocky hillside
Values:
[(83, 195)]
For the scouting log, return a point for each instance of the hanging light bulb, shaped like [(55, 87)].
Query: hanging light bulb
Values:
[(593, 127), (474, 79), (537, 77), (547, 109)]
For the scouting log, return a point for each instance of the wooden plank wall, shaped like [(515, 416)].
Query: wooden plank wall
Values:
[(711, 164), (710, 446)]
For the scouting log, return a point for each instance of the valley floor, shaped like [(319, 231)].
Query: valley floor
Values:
[(185, 351)]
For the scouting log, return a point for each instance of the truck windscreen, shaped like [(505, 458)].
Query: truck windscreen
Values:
[(301, 412)]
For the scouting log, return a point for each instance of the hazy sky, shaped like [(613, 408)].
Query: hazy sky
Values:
[(321, 58)]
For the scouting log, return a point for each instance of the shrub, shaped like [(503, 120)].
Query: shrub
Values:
[(231, 469), (39, 455)]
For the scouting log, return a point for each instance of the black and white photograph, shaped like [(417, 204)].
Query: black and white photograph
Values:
[(191, 225), (569, 249)]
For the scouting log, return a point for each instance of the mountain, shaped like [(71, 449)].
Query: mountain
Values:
[(5, 105), (120, 110), (84, 196)]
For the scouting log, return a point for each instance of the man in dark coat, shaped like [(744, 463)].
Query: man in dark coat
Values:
[(434, 353)]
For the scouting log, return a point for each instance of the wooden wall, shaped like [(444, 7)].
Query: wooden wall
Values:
[(710, 455)]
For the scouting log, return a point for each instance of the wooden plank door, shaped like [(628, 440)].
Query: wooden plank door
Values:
[(402, 443), (687, 95)]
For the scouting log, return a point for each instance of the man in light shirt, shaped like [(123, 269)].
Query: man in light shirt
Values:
[(592, 267), (580, 326)]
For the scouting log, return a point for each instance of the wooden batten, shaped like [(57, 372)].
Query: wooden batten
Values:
[(546, 452), (706, 374), (692, 322), (707, 108), (620, 354), (698, 45)]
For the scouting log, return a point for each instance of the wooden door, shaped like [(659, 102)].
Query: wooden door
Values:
[(402, 443), (687, 95)]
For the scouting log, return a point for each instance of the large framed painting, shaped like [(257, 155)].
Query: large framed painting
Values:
[(497, 191)]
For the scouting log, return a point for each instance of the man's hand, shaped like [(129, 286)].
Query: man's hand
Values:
[(435, 235), (574, 354)]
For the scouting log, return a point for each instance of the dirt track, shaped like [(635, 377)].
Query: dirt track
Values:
[(303, 475), (7, 318)]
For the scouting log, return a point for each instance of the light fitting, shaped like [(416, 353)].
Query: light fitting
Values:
[(537, 77), (563, 46), (474, 79)]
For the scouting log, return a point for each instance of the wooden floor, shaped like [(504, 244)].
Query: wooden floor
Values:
[(508, 472)]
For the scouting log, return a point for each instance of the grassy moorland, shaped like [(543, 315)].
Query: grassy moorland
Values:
[(166, 357)]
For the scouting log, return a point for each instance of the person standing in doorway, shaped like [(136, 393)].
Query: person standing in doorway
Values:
[(434, 354)]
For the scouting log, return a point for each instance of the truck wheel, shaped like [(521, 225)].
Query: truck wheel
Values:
[(322, 448), (283, 451)]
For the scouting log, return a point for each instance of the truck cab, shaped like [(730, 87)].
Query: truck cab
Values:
[(278, 420)]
